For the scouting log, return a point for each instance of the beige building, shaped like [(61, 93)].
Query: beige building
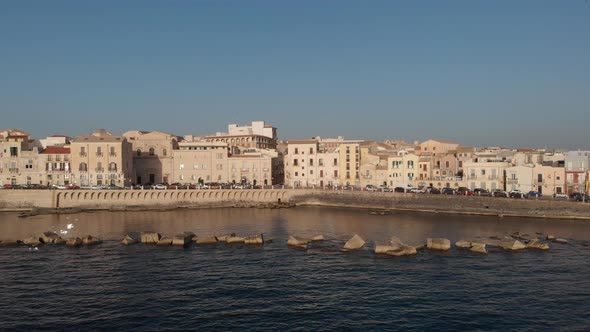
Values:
[(435, 147), (19, 160), (310, 163), (350, 164), (258, 135), (486, 173), (152, 156), (403, 170), (55, 163), (101, 159)]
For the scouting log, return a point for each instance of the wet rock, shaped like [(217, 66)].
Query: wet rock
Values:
[(165, 241), (48, 237), (222, 238), (128, 240), (550, 237), (317, 238), (182, 239), (59, 241), (463, 244), (479, 248), (384, 248), (90, 240), (297, 242), (150, 237), (33, 240), (513, 245), (403, 250), (9, 243), (537, 244), (74, 242), (254, 239), (495, 238), (207, 240), (560, 240), (235, 239), (356, 242), (438, 244)]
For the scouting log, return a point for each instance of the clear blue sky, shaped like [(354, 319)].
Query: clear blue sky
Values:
[(485, 73)]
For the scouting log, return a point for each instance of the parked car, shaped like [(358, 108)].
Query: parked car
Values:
[(535, 194), (384, 188), (448, 191), (176, 185), (465, 191), (417, 190), (73, 186), (371, 187), (499, 193), (560, 196), (7, 186), (434, 191), (482, 192), (160, 186), (516, 193), (399, 190), (578, 197)]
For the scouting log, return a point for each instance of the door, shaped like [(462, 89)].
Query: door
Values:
[(138, 180), (540, 189), (152, 178)]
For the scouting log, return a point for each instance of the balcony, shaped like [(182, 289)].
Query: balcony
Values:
[(511, 181), (99, 169), (492, 177), (112, 154), (99, 154), (113, 170), (83, 154), (13, 170)]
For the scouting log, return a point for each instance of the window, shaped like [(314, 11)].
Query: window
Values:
[(112, 152), (539, 177), (311, 172), (296, 150), (295, 162), (99, 166), (181, 166), (311, 162), (139, 152), (82, 151), (310, 150), (335, 161), (220, 156), (113, 167), (152, 152), (296, 173), (335, 173), (13, 151), (348, 175), (321, 173), (164, 152), (410, 164), (447, 164), (219, 167), (321, 162), (98, 151), (83, 167), (460, 163), (483, 172)]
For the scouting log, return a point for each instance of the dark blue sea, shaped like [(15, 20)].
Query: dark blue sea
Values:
[(274, 287)]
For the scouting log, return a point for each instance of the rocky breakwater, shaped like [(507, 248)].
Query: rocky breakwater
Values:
[(396, 247)]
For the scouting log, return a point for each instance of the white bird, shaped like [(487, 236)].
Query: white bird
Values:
[(63, 232), (70, 226)]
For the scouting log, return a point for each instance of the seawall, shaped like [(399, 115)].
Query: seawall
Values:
[(147, 199)]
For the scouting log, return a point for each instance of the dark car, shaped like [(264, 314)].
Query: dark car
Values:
[(434, 191), (535, 194), (399, 190), (176, 185), (448, 191), (517, 194), (465, 191), (580, 197), (482, 192), (499, 193)]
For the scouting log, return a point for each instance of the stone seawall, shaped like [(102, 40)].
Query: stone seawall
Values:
[(446, 204), (121, 199)]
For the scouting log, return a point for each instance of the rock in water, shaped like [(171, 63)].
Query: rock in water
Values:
[(90, 240), (384, 248), (165, 241), (463, 244), (74, 242), (59, 241), (317, 238), (235, 239), (438, 244), (479, 247), (254, 239), (206, 240), (182, 239), (403, 250), (32, 241), (550, 237), (512, 245), (536, 244), (150, 237), (297, 242), (48, 237), (127, 240), (356, 242), (560, 240)]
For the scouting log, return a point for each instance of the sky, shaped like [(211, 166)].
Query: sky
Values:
[(481, 73)]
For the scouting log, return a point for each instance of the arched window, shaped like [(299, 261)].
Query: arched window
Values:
[(83, 167), (164, 152), (139, 152), (113, 167), (152, 151)]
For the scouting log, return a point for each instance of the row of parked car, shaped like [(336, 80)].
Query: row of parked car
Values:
[(464, 191)]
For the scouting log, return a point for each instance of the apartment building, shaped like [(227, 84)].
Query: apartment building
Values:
[(55, 165), (152, 155), (576, 169), (101, 159)]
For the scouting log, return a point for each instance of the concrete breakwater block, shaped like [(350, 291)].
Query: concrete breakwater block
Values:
[(356, 242), (438, 244), (537, 244), (560, 240), (235, 239), (479, 248), (254, 239), (32, 241), (150, 237), (182, 239), (74, 242), (513, 245), (298, 242), (165, 241), (90, 240), (384, 248), (49, 238), (463, 244), (207, 240), (128, 240), (403, 250), (317, 238)]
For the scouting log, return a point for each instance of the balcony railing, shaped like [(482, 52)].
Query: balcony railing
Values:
[(13, 170), (492, 177), (99, 169), (99, 154), (113, 169), (83, 154), (511, 181), (112, 154)]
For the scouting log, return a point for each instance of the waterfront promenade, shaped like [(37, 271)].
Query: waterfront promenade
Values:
[(63, 200)]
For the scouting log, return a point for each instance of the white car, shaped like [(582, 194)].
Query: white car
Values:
[(417, 191), (371, 187), (560, 195)]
